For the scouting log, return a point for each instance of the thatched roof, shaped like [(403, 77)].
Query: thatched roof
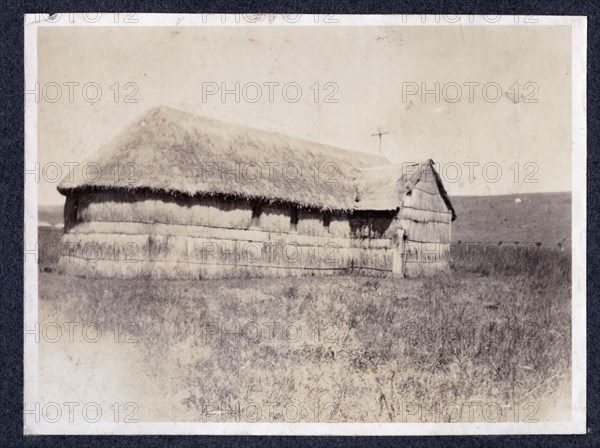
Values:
[(180, 153), (385, 187)]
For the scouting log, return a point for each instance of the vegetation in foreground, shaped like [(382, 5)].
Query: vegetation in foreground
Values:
[(496, 331)]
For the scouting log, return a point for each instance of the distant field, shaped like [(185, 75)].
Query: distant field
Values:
[(51, 214), (544, 218)]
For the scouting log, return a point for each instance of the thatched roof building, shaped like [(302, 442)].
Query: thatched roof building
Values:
[(187, 180)]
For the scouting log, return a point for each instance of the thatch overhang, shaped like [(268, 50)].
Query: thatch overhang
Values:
[(385, 187)]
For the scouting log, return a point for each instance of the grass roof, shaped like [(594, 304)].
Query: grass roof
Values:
[(171, 151)]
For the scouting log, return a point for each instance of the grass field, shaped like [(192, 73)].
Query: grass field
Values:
[(538, 218), (495, 331)]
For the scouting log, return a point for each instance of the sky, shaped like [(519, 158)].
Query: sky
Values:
[(334, 85)]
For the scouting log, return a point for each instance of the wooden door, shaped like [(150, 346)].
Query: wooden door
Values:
[(398, 254)]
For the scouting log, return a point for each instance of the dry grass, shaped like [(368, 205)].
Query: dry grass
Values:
[(540, 264), (174, 252), (496, 330), (123, 207), (426, 231)]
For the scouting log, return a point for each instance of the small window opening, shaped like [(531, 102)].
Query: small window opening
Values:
[(326, 219), (70, 212), (256, 212), (294, 219)]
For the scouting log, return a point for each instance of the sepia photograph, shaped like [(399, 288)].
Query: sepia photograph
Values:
[(280, 224)]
